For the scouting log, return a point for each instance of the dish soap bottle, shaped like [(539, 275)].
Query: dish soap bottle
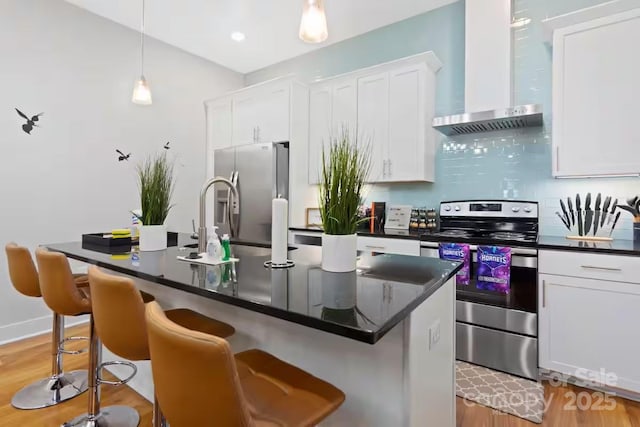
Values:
[(226, 247), (214, 248)]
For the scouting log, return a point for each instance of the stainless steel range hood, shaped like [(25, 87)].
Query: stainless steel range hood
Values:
[(488, 88), (521, 116)]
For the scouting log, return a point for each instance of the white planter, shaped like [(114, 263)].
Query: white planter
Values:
[(153, 238), (339, 252)]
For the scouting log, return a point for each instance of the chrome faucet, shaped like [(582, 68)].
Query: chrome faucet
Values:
[(202, 229)]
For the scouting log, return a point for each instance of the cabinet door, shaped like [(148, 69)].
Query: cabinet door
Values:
[(595, 88), (273, 114), (373, 121), (246, 109), (219, 129), (407, 124), (319, 128), (587, 326), (344, 114)]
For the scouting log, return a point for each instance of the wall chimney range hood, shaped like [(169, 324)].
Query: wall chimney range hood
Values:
[(522, 116), (488, 77)]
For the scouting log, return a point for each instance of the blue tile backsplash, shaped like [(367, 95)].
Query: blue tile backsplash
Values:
[(508, 164)]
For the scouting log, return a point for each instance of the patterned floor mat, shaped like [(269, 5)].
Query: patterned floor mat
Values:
[(500, 391)]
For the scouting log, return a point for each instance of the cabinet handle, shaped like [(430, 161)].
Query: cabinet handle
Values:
[(593, 267), (384, 168), (390, 173), (375, 247), (558, 158), (544, 293), (257, 133)]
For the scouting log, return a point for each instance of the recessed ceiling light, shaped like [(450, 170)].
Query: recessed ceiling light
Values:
[(237, 36)]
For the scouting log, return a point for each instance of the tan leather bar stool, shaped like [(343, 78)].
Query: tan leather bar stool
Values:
[(200, 383), (59, 386), (63, 297), (118, 312)]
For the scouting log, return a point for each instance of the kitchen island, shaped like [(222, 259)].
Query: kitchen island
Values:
[(384, 334)]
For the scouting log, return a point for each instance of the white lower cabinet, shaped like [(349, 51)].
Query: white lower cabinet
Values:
[(588, 327), (389, 246)]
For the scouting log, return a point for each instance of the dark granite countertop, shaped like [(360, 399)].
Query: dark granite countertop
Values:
[(355, 305), (394, 234), (615, 247)]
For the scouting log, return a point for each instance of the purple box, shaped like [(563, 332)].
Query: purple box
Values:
[(458, 252), (494, 269)]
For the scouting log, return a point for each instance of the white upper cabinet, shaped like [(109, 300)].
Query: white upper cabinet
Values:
[(319, 128), (344, 103), (596, 89), (333, 106), (219, 128), (408, 151), (373, 121), (261, 114), (388, 106)]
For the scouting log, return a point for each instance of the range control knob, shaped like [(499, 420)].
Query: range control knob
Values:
[(527, 209), (457, 208), (447, 208), (515, 209)]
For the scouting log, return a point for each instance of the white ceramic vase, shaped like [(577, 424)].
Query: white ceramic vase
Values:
[(153, 238), (339, 252)]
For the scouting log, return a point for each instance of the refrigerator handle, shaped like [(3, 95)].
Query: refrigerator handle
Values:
[(234, 228)]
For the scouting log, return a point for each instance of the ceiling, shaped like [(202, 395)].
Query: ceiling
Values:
[(203, 27)]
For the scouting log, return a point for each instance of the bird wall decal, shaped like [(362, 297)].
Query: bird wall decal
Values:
[(31, 122), (123, 156)]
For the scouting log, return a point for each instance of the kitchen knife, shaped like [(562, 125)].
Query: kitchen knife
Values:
[(573, 215), (614, 206), (564, 221), (579, 211), (615, 221), (566, 214), (596, 217), (632, 211), (605, 210), (588, 215)]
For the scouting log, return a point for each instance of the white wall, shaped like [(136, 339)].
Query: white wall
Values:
[(64, 179)]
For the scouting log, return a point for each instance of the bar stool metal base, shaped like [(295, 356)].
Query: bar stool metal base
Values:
[(111, 416), (51, 391)]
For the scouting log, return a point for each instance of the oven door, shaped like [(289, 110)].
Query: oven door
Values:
[(513, 312)]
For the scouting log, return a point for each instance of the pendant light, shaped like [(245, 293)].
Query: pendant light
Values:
[(313, 25), (141, 91)]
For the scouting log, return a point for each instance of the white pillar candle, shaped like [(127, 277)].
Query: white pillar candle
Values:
[(279, 230)]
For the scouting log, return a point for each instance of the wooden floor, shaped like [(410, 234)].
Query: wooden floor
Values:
[(26, 361)]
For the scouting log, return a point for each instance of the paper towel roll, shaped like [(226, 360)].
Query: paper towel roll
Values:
[(279, 230)]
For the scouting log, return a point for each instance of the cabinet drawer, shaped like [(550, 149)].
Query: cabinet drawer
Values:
[(590, 266), (389, 246)]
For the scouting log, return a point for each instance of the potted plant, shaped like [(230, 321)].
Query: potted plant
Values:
[(345, 169), (155, 181)]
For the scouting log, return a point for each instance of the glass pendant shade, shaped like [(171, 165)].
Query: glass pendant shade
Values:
[(141, 92), (313, 25)]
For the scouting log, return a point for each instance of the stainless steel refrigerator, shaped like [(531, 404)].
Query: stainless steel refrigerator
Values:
[(261, 173)]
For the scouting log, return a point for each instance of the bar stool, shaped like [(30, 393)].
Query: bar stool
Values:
[(118, 312), (200, 383), (59, 386), (63, 297)]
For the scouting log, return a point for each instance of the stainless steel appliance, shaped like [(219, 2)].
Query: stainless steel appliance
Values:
[(260, 172), (496, 330)]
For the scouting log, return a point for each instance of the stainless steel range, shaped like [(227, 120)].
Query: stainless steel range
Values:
[(496, 329)]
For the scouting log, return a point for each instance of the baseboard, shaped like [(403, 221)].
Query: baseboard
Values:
[(33, 327)]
